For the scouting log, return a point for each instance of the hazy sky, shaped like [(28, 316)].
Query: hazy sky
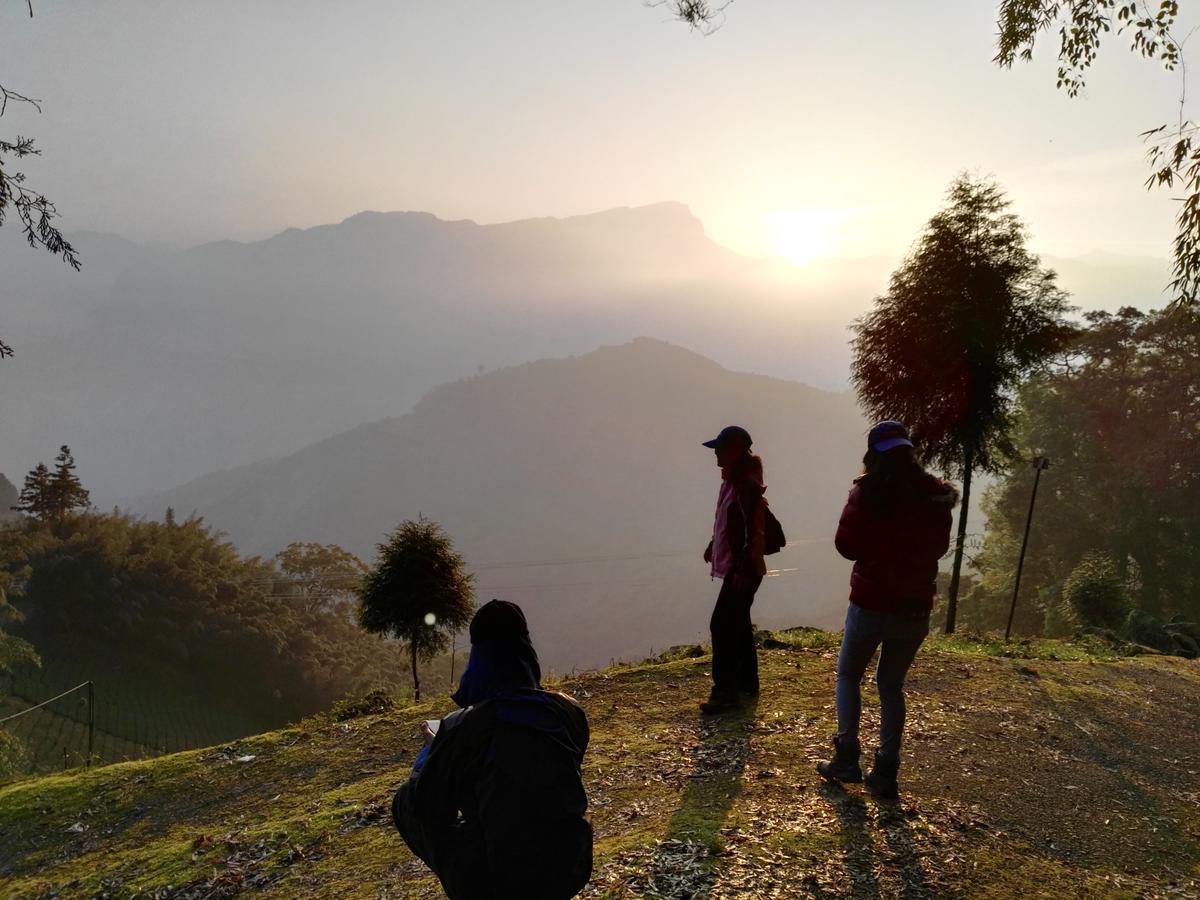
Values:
[(798, 127)]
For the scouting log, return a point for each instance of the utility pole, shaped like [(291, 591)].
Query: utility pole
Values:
[(1040, 464)]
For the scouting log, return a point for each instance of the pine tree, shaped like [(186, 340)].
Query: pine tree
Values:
[(967, 316), (419, 591), (66, 492), (35, 494)]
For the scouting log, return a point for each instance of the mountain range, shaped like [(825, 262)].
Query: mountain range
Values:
[(577, 487), (159, 365)]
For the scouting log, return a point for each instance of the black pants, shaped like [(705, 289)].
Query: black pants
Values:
[(735, 658)]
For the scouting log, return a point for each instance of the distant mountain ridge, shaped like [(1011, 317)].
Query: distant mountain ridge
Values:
[(160, 365), (577, 486)]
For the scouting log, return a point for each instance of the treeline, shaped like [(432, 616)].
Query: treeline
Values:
[(1115, 540), (174, 605)]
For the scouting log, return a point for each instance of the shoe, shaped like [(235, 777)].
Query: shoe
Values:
[(881, 780), (718, 703), (844, 765)]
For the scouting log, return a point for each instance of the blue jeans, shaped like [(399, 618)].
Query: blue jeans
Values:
[(900, 636)]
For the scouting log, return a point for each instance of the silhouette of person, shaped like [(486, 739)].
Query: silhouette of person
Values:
[(736, 554), (495, 804), (895, 526)]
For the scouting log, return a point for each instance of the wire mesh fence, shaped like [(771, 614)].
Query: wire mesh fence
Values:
[(53, 721)]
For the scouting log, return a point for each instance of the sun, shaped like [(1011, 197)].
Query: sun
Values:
[(800, 236)]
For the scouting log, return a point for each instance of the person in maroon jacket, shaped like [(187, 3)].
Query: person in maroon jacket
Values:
[(895, 526)]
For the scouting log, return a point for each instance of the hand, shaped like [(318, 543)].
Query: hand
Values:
[(427, 733), (708, 554)]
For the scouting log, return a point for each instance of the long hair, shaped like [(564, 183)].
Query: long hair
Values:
[(891, 477)]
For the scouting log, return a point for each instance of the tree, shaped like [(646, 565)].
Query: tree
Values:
[(1174, 151), (967, 315), (35, 213), (419, 591), (320, 575), (35, 494), (1117, 416), (65, 492)]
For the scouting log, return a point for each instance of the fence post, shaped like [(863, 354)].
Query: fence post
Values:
[(91, 719)]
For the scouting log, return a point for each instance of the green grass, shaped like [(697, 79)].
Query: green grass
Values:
[(1027, 774)]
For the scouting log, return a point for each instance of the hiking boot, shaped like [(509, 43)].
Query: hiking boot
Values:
[(881, 780), (844, 765), (718, 703)]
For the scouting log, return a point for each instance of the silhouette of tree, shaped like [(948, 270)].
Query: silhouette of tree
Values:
[(967, 316), (33, 210), (66, 493), (419, 591), (35, 494), (1116, 415), (1081, 25)]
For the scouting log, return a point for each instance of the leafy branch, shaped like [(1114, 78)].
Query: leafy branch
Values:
[(701, 15), (1174, 152)]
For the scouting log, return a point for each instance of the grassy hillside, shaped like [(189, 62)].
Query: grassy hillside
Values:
[(1057, 774)]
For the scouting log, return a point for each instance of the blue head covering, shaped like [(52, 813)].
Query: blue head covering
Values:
[(502, 656)]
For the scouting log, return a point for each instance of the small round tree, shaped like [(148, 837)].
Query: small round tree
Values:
[(418, 591)]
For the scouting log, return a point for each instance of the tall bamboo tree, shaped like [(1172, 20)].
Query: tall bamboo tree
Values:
[(966, 317)]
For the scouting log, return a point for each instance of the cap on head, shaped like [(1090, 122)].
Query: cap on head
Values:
[(498, 620), (887, 435), (729, 436)]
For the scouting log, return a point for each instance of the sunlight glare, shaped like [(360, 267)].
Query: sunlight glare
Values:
[(801, 236)]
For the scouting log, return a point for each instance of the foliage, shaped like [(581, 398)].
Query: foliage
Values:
[(1174, 153), (371, 704), (419, 591), (1117, 417), (35, 494), (175, 605), (321, 575), (35, 213), (967, 315), (14, 758), (52, 496), (1095, 592)]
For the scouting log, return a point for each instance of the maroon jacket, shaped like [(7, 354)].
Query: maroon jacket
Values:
[(896, 547)]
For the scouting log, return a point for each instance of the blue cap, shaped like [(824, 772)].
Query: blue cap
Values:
[(730, 434), (886, 435)]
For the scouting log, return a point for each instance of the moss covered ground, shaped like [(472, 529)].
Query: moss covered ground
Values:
[(1056, 770)]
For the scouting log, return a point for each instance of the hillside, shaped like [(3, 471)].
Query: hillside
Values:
[(577, 487), (1065, 775)]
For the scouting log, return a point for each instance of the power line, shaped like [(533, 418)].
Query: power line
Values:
[(44, 703)]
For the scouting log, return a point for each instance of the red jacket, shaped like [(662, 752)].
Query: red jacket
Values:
[(896, 547)]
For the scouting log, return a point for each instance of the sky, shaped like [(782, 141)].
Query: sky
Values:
[(797, 129)]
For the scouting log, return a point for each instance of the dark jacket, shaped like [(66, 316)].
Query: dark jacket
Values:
[(896, 543), (499, 803)]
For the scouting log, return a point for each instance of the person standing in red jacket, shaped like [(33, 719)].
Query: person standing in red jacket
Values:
[(895, 526), (736, 554)]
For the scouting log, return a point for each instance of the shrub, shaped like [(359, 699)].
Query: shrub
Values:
[(378, 701), (1095, 593), (14, 758)]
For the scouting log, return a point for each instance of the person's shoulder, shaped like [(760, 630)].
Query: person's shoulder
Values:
[(562, 698)]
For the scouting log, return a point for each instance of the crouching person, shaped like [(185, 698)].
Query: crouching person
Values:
[(495, 805)]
